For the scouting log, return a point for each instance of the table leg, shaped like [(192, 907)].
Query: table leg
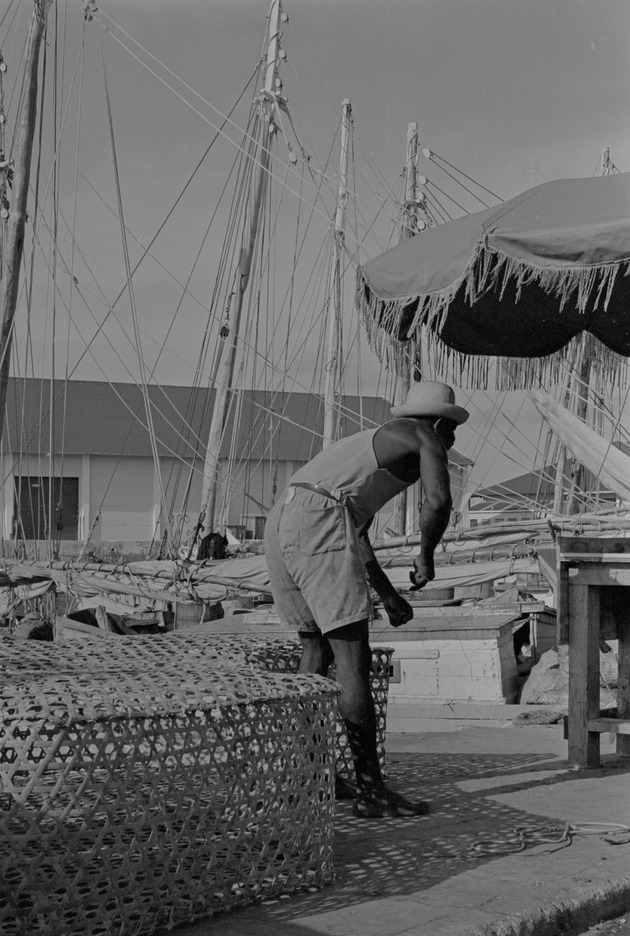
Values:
[(583, 674), (623, 682)]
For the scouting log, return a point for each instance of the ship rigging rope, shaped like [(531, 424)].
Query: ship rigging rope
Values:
[(117, 39), (141, 364), (491, 413), (288, 303), (449, 197), (31, 266), (268, 409), (81, 69), (522, 838), (27, 286), (146, 251), (19, 524), (13, 6), (156, 235), (55, 511), (252, 325), (441, 159), (183, 99), (290, 299), (202, 357), (285, 369), (164, 416)]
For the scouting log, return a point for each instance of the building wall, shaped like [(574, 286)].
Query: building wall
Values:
[(257, 479), (127, 494), (254, 487), (123, 490), (182, 483)]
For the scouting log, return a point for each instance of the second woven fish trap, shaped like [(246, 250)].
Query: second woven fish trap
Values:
[(284, 656)]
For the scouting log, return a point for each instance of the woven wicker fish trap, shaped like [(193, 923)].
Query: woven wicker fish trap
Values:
[(269, 653), (285, 657), (138, 796)]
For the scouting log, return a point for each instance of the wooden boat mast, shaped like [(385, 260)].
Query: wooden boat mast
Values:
[(12, 260), (332, 391), (408, 228), (223, 384)]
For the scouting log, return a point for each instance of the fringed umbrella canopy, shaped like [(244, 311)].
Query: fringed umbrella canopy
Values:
[(520, 282)]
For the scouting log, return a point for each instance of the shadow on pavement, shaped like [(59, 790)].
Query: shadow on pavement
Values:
[(396, 857)]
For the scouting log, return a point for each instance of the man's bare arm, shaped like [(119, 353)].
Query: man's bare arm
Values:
[(397, 609), (376, 576), (436, 508)]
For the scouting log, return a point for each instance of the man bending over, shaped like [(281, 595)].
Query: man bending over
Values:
[(320, 560)]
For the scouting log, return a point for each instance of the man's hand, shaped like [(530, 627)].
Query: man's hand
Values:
[(422, 573), (398, 610)]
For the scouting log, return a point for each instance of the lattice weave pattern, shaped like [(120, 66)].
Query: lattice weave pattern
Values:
[(284, 656), (135, 795), (274, 654)]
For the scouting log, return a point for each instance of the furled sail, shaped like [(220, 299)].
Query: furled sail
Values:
[(599, 455)]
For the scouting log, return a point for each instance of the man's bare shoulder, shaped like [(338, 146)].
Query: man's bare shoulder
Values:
[(413, 431), (405, 438)]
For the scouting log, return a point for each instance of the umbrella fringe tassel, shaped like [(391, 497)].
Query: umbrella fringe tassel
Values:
[(520, 373), (396, 331)]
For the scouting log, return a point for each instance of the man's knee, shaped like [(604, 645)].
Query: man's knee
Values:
[(316, 654), (351, 647)]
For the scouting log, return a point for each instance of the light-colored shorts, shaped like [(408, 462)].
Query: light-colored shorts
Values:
[(317, 575)]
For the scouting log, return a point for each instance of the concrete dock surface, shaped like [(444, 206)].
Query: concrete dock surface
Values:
[(517, 843)]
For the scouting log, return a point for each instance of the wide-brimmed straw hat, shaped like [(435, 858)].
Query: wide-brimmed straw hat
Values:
[(431, 398)]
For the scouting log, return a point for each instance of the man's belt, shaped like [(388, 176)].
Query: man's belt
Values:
[(319, 490), (345, 502)]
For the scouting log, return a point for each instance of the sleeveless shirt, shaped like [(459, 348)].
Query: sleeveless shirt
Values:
[(348, 470)]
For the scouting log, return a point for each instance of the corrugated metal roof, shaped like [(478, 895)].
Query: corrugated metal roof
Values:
[(99, 418)]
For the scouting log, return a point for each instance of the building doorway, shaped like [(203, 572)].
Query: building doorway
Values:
[(39, 515)]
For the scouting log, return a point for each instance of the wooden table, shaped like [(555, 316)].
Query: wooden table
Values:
[(594, 605)]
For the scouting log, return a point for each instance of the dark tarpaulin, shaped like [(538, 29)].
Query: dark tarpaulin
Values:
[(521, 281)]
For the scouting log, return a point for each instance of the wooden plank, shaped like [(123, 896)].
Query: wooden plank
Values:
[(445, 627), (414, 652), (548, 564), (562, 620), (449, 678), (593, 545), (468, 611), (599, 574), (101, 618), (583, 674), (400, 708), (449, 666), (616, 726), (66, 627), (610, 558)]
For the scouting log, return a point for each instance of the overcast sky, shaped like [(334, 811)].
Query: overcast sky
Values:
[(514, 91)]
